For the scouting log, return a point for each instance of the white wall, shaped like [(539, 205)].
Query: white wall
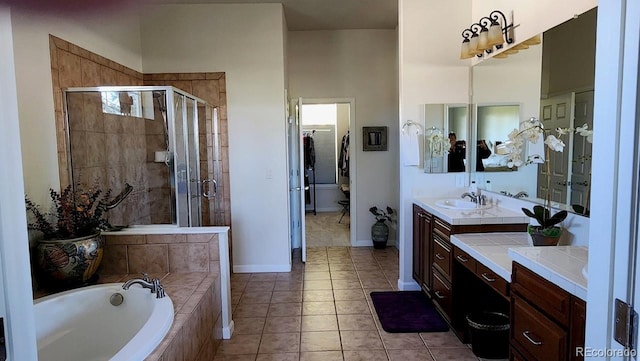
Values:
[(430, 72), (116, 37), (359, 64), (247, 43)]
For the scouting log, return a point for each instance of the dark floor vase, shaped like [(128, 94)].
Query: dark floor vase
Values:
[(379, 235), (70, 262)]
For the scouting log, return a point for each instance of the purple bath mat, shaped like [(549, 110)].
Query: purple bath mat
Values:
[(407, 311)]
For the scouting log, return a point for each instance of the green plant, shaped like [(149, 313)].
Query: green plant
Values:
[(547, 222), (382, 215), (77, 211)]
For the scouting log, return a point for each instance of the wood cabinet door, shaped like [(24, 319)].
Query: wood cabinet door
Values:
[(577, 330), (425, 241), (417, 244), (534, 334)]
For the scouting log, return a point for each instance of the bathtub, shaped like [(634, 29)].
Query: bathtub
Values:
[(82, 325)]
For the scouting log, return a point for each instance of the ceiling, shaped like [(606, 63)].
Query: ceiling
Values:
[(326, 14)]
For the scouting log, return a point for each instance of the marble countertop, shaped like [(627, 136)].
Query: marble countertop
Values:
[(560, 265), (491, 214)]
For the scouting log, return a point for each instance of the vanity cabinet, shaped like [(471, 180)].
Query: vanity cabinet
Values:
[(547, 323), (433, 256)]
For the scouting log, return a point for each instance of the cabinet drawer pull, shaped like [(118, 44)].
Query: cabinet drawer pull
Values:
[(437, 293), (530, 339), (462, 259), (487, 278), (439, 256), (421, 215)]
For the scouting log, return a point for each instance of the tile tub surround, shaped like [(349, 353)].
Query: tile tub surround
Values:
[(560, 265), (494, 214)]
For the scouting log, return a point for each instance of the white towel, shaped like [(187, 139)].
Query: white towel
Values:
[(409, 143)]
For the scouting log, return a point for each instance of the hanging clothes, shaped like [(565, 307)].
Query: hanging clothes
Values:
[(309, 152), (343, 159)]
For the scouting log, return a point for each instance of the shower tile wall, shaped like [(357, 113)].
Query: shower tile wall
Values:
[(72, 66)]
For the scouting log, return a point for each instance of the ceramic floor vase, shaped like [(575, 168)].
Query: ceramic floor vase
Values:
[(379, 235), (70, 262)]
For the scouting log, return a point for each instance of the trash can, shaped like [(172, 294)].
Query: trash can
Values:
[(489, 334)]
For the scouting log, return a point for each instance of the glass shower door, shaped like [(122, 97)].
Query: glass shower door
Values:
[(193, 162)]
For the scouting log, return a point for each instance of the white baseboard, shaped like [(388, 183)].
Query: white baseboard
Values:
[(408, 286), (228, 331), (261, 268)]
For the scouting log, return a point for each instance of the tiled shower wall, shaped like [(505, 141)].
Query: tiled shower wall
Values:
[(72, 66)]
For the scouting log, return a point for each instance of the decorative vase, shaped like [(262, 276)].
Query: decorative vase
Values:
[(379, 235), (540, 239), (70, 262)]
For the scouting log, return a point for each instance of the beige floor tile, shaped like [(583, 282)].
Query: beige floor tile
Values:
[(290, 276), (318, 308), (240, 277), (356, 322), (321, 356), (263, 276), (240, 345), (402, 341), (441, 339), (317, 295), (452, 353), (348, 295), (251, 310), (260, 286), (282, 324), (344, 275), (380, 283), (346, 284), (352, 307), (320, 341), (323, 267), (248, 326), (286, 296), (317, 285), (287, 286), (280, 342), (319, 323), (410, 355), (285, 309), (360, 340), (255, 297), (220, 357), (291, 356), (341, 267), (377, 355), (316, 275)]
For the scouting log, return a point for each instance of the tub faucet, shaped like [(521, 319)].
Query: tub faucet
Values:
[(154, 286)]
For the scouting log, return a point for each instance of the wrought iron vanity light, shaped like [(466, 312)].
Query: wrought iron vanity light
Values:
[(489, 31)]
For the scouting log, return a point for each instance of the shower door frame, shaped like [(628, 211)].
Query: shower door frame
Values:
[(172, 140)]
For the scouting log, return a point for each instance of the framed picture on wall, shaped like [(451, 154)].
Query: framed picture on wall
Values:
[(374, 138)]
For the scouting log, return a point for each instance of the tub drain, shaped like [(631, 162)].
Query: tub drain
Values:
[(116, 299)]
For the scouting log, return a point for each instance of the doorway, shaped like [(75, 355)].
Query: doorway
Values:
[(323, 173)]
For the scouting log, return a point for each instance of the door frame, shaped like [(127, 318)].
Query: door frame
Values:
[(353, 147)]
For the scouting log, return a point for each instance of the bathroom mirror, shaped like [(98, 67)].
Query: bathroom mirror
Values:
[(491, 121), (552, 81), (446, 135)]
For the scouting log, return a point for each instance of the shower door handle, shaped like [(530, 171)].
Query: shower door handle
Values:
[(207, 194)]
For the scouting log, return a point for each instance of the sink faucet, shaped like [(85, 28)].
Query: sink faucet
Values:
[(479, 199), (153, 285), (521, 194)]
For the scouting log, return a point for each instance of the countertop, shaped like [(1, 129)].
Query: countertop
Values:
[(560, 265), (491, 214)]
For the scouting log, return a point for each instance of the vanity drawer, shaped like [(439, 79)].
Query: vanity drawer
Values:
[(549, 298), (535, 334), (441, 293), (442, 227), (442, 256), (464, 259), (496, 282)]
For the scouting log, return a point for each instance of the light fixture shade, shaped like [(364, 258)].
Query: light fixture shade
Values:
[(483, 40), (495, 35), (510, 51), (473, 46), (533, 41), (501, 56), (464, 50), (520, 46)]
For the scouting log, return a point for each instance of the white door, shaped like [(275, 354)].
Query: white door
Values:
[(581, 169), (296, 179), (557, 112)]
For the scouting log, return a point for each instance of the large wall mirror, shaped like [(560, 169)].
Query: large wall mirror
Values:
[(552, 81), (446, 136)]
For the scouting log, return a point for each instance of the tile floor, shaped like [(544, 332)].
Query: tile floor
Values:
[(323, 229), (322, 311)]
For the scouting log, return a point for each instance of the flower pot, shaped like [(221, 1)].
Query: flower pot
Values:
[(539, 237), (70, 262), (379, 235)]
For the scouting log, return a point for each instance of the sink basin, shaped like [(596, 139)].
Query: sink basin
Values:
[(585, 272), (458, 204)]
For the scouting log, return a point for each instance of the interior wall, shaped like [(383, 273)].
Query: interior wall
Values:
[(106, 35), (246, 41), (359, 64)]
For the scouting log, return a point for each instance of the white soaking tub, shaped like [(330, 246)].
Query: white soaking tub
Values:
[(83, 325)]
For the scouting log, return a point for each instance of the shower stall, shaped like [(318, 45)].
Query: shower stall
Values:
[(159, 140)]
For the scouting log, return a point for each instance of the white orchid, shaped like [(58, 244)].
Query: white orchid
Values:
[(554, 143), (563, 131), (585, 132)]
